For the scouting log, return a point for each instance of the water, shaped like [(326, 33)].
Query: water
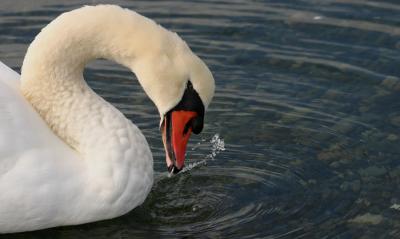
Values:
[(307, 104)]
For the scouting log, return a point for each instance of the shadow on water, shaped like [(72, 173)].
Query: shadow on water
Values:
[(307, 103)]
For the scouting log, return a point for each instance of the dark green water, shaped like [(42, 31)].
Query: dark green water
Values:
[(307, 103)]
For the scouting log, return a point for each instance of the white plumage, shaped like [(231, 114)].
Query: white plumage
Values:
[(66, 155)]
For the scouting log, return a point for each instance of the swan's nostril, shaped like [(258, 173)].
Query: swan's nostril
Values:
[(187, 127)]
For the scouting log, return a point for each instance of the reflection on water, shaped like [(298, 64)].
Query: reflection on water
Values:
[(307, 103)]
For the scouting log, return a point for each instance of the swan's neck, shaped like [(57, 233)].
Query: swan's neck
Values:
[(52, 80), (52, 73)]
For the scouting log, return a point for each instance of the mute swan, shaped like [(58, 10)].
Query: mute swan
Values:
[(66, 155)]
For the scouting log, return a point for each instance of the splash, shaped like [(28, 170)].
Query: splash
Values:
[(217, 145)]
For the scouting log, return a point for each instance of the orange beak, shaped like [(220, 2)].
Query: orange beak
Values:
[(176, 131)]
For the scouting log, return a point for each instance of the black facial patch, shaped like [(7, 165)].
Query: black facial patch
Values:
[(191, 102)]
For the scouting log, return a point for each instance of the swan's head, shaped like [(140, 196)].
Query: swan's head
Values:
[(177, 125), (181, 86)]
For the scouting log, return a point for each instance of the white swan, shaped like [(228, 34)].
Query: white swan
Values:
[(73, 158)]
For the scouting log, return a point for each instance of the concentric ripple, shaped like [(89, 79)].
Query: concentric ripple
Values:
[(229, 201)]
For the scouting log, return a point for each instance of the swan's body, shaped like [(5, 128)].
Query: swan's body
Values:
[(67, 156)]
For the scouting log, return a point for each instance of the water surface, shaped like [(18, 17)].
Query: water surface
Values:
[(307, 103)]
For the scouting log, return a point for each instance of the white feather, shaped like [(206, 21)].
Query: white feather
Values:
[(66, 155)]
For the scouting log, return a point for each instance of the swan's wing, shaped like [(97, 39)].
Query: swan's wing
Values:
[(24, 136), (40, 176)]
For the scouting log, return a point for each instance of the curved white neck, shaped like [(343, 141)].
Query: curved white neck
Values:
[(52, 73)]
